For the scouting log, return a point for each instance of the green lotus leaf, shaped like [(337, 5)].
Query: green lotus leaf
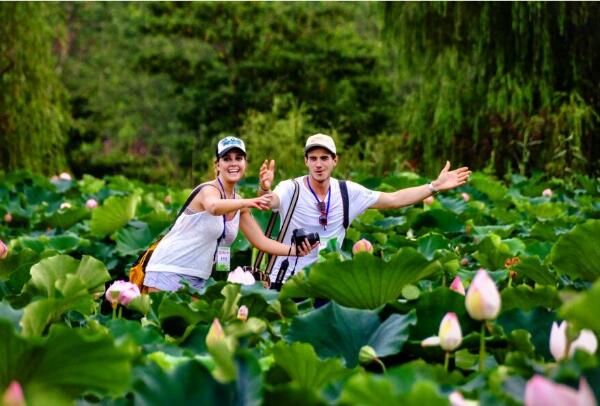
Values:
[(581, 309), (133, 240), (492, 252), (443, 221), (114, 213), (335, 331), (365, 282), (67, 218), (429, 243), (500, 230), (532, 268), (15, 269), (431, 307), (537, 322), (577, 253), (305, 368), (64, 243), (46, 273), (192, 384), (72, 361), (368, 389), (526, 298), (494, 189)]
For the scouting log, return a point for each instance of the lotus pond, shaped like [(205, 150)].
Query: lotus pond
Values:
[(406, 324)]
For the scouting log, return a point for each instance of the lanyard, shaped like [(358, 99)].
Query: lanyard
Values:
[(318, 201), (224, 194)]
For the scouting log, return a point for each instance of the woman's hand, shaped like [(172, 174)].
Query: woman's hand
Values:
[(266, 175), (450, 179), (260, 203), (305, 248)]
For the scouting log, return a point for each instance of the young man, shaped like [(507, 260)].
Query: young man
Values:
[(320, 208)]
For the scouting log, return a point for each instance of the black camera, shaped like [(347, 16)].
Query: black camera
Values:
[(299, 234)]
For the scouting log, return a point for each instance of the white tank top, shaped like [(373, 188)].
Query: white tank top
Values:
[(189, 247)]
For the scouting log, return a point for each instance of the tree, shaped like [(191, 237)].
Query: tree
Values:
[(33, 110)]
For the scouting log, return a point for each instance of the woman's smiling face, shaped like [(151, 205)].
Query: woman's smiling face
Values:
[(232, 166)]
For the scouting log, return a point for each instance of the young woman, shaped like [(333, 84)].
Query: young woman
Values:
[(209, 225)]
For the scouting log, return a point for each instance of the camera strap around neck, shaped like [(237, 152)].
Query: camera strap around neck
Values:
[(283, 230)]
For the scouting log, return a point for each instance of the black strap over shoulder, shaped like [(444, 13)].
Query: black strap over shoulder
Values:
[(284, 227), (345, 203)]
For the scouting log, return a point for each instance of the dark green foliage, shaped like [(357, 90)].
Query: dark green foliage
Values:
[(33, 110), (507, 85)]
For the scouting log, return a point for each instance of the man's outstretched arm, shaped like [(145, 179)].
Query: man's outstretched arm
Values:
[(446, 180)]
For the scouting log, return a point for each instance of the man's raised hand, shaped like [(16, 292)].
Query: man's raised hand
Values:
[(448, 179), (267, 175)]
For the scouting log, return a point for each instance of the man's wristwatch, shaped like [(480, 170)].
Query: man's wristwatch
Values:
[(433, 190)]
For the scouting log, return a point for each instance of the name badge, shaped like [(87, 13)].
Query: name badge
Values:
[(223, 259)]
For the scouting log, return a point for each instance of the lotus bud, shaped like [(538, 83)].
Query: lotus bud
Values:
[(215, 334), (91, 204), (168, 199), (547, 192), (457, 286), (362, 246), (8, 218), (586, 341), (122, 292), (3, 250), (239, 276), (428, 201), (465, 196), (65, 206), (483, 299), (242, 313), (367, 354), (450, 333), (64, 176), (540, 391), (13, 396), (54, 178), (464, 261)]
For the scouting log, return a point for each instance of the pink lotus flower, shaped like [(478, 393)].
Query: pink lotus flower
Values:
[(239, 276), (457, 286), (428, 200), (122, 292), (3, 250), (91, 204), (465, 196), (65, 176), (362, 246), (449, 334), (483, 299), (464, 261), (586, 341), (13, 396), (541, 391), (547, 192), (8, 218), (242, 313), (65, 206)]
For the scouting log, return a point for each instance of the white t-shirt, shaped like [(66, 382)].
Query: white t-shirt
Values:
[(306, 215), (189, 247)]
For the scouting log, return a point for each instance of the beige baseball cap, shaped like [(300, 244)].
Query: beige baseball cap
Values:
[(320, 140)]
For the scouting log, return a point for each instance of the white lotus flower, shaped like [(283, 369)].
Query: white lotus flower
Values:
[(586, 341), (239, 276), (449, 334)]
